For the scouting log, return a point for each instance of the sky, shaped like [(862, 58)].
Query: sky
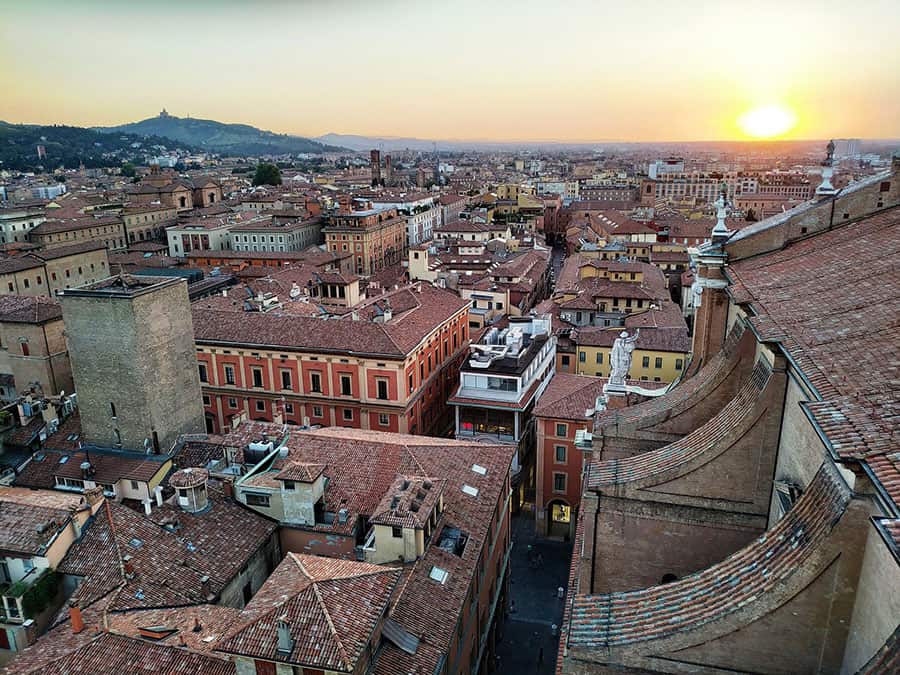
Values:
[(633, 70)]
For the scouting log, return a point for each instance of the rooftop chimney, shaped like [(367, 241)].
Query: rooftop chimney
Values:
[(94, 497), (75, 617), (285, 641)]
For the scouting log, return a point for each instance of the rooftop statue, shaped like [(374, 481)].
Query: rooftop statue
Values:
[(620, 358)]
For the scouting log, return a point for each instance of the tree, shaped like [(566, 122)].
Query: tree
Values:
[(267, 174), (128, 169)]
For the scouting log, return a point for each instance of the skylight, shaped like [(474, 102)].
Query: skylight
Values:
[(469, 490), (477, 468), (438, 574)]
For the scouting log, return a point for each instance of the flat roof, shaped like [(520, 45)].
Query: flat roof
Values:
[(122, 286)]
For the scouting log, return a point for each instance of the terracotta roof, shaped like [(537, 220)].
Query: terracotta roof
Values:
[(31, 519), (110, 466), (740, 583), (168, 562), (408, 502), (28, 309), (568, 396), (361, 468), (64, 251), (803, 298), (416, 313), (108, 653), (652, 339), (321, 600), (302, 472)]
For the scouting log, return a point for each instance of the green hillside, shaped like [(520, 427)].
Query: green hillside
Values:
[(70, 147), (225, 139)]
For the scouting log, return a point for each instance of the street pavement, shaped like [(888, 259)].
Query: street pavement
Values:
[(528, 642)]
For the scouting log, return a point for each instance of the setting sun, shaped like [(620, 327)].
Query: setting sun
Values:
[(767, 121)]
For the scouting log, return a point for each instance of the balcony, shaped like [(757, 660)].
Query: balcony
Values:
[(29, 596)]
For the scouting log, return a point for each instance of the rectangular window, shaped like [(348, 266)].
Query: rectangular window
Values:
[(599, 357), (348, 414), (383, 419), (289, 408), (257, 377), (203, 377), (256, 499), (559, 482), (288, 485), (232, 403), (260, 406), (561, 453), (645, 362), (582, 357), (565, 359), (285, 379), (396, 532), (229, 374), (562, 430), (382, 386), (658, 362), (346, 386), (206, 400), (317, 411), (134, 485), (315, 382), (679, 364)]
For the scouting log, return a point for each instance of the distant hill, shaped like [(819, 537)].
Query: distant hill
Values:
[(223, 139), (70, 147)]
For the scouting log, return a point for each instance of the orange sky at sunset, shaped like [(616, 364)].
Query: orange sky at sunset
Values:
[(630, 71)]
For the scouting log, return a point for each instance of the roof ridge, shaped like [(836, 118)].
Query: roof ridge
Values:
[(337, 638)]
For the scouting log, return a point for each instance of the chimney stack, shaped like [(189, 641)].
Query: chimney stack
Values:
[(94, 497), (128, 566), (75, 617)]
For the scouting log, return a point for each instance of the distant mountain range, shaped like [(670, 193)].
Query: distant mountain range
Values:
[(71, 147), (220, 138)]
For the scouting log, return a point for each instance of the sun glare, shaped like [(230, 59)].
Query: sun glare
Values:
[(767, 121)]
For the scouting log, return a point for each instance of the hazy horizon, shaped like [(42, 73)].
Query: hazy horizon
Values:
[(577, 73)]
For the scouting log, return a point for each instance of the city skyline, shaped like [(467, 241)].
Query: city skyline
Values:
[(579, 73)]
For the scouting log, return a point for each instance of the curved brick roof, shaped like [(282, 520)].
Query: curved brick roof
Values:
[(695, 387), (738, 583), (839, 328), (739, 413)]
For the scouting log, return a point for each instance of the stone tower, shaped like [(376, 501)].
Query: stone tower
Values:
[(131, 344)]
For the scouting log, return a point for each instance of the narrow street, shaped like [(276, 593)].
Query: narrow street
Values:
[(538, 567)]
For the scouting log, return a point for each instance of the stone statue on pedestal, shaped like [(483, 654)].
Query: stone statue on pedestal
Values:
[(620, 360)]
